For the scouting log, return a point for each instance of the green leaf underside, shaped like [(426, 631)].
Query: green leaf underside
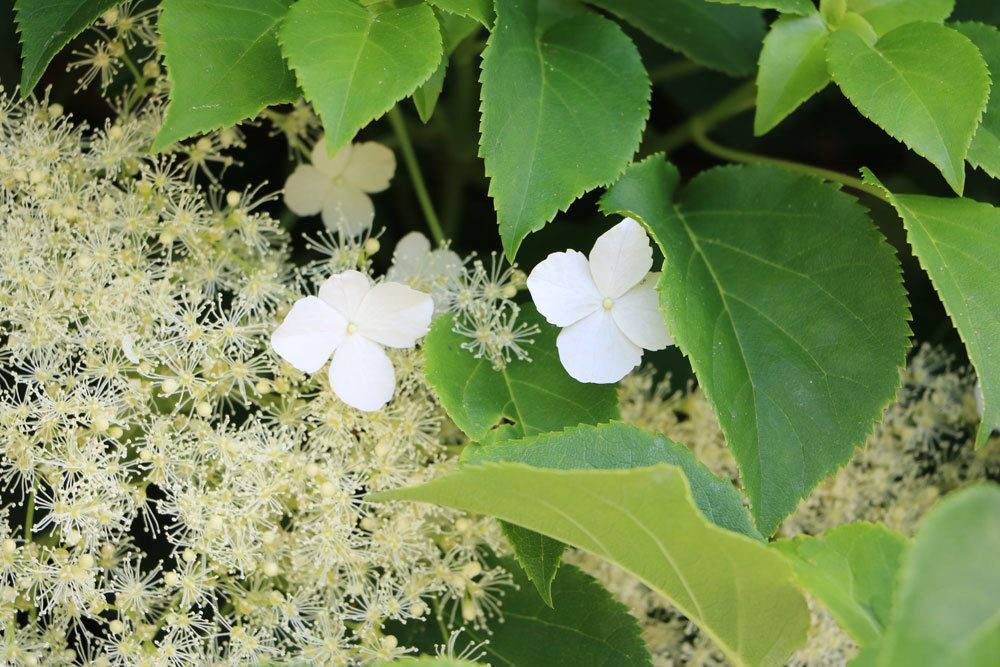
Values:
[(906, 83), (224, 64), (887, 15), (46, 27), (532, 397), (800, 7), (644, 519), (792, 68), (354, 63), (586, 627), (790, 306), (852, 570), (958, 242), (947, 613), (479, 10), (722, 38), (563, 108), (985, 149), (621, 446), (454, 29)]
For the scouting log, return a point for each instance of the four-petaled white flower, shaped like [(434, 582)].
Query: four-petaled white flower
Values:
[(338, 187), (352, 320), (607, 304)]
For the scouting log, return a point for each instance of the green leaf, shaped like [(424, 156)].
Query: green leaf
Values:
[(454, 29), (224, 64), (480, 10), (947, 613), (581, 96), (985, 149), (800, 7), (887, 15), (617, 446), (958, 242), (534, 396), (46, 27), (354, 63), (722, 38), (644, 519), (427, 661), (790, 306), (792, 68), (924, 84), (587, 626), (852, 570), (524, 398), (539, 557)]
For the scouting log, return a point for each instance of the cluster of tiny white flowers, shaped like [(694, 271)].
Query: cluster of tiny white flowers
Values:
[(923, 448), (485, 312), (174, 493)]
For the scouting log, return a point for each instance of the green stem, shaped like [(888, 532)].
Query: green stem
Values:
[(445, 635), (413, 167), (733, 104), (700, 137), (29, 516), (674, 70)]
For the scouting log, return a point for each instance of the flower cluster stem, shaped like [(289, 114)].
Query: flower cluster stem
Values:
[(29, 516), (413, 167)]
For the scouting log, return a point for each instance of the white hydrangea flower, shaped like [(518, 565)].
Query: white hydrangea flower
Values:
[(420, 267), (338, 187), (606, 304), (352, 320)]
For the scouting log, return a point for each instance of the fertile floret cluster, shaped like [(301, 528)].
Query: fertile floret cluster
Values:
[(174, 493)]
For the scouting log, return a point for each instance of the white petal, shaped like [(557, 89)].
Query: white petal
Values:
[(331, 166), (395, 315), (412, 245), (637, 314), (361, 374), (309, 334), (562, 288), (306, 189), (621, 257), (595, 350), (371, 167), (347, 210), (345, 291)]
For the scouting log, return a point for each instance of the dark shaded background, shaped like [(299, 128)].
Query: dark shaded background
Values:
[(827, 131)]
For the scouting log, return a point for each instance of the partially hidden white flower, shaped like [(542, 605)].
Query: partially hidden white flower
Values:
[(606, 303), (414, 263), (338, 187), (352, 320)]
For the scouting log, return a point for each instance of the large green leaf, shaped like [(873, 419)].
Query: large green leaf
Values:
[(46, 27), (948, 610), (355, 62), (792, 68), (723, 38), (886, 15), (852, 570), (618, 446), (789, 304), (644, 519), (224, 64), (924, 84), (563, 108), (800, 7), (480, 10), (958, 242), (587, 626), (522, 399), (985, 149)]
